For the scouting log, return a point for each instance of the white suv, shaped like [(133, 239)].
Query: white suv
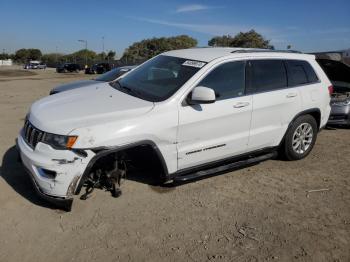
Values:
[(192, 113)]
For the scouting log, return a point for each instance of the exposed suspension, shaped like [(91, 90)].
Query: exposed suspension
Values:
[(107, 174)]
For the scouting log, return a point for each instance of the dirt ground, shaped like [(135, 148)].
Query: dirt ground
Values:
[(259, 213)]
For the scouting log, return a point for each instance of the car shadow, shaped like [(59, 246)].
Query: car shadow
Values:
[(13, 173), (152, 179)]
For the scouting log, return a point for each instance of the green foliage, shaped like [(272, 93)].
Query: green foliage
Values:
[(52, 59), (148, 48), (23, 55), (101, 56), (4, 56), (250, 39), (111, 55)]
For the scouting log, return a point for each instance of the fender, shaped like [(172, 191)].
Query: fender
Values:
[(308, 111), (104, 151)]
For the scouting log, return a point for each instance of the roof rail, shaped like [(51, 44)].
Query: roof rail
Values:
[(265, 51)]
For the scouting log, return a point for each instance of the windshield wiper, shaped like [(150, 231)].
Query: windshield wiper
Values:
[(126, 89)]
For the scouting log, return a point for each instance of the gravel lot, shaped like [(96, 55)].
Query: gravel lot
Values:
[(259, 213)]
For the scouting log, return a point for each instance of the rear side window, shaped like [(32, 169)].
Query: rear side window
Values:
[(296, 73), (227, 80), (268, 75), (311, 75), (300, 73)]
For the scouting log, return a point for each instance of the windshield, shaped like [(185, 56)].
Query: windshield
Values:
[(112, 75), (159, 78)]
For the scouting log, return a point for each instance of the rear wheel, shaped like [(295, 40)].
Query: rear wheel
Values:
[(300, 138)]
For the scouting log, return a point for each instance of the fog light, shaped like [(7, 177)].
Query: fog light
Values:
[(46, 173)]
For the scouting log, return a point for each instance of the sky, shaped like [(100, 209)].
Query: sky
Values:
[(50, 25)]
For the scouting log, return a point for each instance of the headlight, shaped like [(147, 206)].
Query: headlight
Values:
[(58, 141)]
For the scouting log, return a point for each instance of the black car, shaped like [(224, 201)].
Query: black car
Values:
[(99, 68), (68, 67)]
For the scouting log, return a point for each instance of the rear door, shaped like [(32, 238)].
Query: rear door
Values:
[(274, 103), (209, 132)]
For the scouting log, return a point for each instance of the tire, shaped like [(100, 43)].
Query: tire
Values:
[(300, 138)]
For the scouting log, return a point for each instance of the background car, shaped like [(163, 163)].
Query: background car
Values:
[(106, 77), (99, 68), (339, 74), (68, 67), (41, 66), (35, 65)]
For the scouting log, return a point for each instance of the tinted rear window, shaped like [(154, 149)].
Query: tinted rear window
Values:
[(300, 73), (296, 73), (311, 75), (268, 75)]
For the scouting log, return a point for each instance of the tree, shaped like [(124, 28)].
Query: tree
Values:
[(52, 59), (81, 54), (225, 40), (250, 39), (111, 55), (4, 56), (148, 48), (81, 57), (101, 56), (23, 55), (34, 54)]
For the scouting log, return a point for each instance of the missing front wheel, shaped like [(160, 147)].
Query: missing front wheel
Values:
[(108, 175)]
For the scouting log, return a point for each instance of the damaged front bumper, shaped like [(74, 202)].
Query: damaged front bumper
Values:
[(54, 173)]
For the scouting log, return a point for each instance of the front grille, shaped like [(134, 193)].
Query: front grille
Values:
[(32, 135)]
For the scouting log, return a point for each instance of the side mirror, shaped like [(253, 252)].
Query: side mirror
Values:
[(202, 95)]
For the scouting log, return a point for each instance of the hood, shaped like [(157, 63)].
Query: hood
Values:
[(90, 106), (73, 85), (335, 70)]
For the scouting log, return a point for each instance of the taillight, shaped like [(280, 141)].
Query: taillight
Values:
[(330, 90)]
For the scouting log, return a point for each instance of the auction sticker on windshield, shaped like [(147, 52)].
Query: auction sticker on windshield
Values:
[(194, 63)]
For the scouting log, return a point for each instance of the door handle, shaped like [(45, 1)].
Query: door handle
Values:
[(290, 95), (241, 104)]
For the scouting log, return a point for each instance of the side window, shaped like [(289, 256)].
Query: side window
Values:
[(300, 72), (311, 75), (296, 73), (268, 75), (227, 80)]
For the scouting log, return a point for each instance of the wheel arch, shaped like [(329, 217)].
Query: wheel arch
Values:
[(104, 151), (314, 112)]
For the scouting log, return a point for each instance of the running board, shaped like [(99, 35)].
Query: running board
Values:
[(230, 166)]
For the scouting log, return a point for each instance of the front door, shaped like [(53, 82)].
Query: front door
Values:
[(210, 132)]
